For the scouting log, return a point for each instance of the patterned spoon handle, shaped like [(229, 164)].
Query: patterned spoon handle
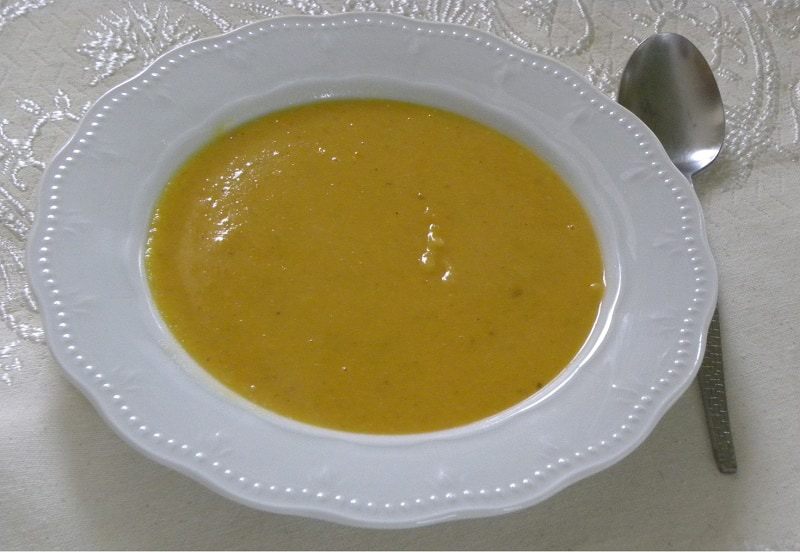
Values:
[(712, 388)]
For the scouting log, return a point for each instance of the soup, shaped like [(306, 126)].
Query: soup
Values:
[(374, 266)]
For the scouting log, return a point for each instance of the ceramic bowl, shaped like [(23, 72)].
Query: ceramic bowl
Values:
[(86, 262)]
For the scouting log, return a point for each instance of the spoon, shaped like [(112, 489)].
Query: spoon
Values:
[(668, 84)]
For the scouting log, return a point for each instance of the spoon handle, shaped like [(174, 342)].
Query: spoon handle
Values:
[(712, 388)]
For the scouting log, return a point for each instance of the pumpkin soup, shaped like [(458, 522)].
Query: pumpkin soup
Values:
[(374, 266)]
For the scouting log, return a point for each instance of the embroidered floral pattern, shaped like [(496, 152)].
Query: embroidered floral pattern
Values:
[(133, 33), (13, 10)]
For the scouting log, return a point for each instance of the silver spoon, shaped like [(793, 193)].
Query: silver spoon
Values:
[(668, 84)]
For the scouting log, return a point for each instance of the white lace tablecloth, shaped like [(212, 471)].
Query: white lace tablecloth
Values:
[(67, 481)]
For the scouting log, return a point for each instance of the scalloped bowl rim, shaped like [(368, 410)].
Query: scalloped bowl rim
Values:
[(319, 473)]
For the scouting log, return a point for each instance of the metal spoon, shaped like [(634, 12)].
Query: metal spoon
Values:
[(668, 84)]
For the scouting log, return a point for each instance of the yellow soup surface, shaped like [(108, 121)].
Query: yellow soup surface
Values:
[(374, 266)]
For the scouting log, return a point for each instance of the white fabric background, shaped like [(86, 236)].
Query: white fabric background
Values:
[(66, 481)]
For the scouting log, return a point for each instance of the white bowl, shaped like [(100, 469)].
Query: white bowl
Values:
[(86, 250)]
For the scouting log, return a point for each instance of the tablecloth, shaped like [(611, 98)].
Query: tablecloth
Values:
[(67, 481)]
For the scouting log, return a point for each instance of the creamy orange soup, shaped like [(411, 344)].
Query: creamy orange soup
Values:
[(374, 266)]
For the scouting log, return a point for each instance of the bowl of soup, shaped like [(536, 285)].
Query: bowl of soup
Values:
[(436, 277)]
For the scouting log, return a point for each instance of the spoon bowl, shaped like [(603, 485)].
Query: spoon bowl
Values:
[(670, 87)]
